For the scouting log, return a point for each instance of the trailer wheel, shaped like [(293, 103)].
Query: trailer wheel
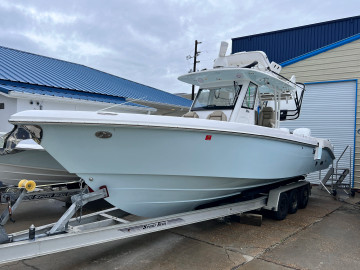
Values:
[(304, 197), (293, 201), (283, 207)]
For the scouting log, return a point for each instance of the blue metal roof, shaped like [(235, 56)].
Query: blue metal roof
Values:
[(6, 88), (287, 44), (19, 66)]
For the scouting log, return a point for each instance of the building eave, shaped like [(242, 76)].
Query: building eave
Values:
[(320, 50), (21, 95)]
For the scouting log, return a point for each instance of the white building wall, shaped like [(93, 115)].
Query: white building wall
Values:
[(10, 107), (17, 104), (36, 104)]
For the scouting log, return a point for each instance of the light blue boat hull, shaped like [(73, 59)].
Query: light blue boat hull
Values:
[(151, 171)]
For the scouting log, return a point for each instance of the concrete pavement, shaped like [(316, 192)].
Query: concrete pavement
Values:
[(325, 235)]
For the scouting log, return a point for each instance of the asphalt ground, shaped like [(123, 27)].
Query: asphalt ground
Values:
[(325, 235)]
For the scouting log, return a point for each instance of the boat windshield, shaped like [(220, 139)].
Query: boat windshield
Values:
[(217, 98)]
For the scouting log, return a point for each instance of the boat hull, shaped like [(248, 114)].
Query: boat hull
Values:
[(151, 171), (154, 195), (35, 165)]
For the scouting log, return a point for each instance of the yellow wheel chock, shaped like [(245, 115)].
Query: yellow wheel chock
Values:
[(22, 183), (29, 185)]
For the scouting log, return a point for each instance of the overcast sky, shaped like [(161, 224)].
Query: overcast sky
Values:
[(148, 41)]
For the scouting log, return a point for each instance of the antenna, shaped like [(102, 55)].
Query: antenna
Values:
[(223, 48), (221, 61)]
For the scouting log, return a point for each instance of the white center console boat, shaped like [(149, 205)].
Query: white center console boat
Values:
[(230, 141)]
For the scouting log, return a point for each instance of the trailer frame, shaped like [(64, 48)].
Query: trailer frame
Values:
[(104, 226)]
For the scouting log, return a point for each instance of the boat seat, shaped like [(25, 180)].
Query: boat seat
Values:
[(305, 132), (191, 114), (217, 115), (267, 117)]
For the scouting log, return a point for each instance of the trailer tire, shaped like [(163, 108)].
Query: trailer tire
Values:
[(293, 201), (304, 197), (283, 207)]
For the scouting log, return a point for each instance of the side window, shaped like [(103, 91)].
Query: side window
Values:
[(202, 99), (249, 100)]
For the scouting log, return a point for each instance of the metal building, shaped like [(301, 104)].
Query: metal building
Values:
[(326, 57), (30, 81)]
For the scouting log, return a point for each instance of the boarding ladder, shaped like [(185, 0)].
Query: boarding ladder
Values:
[(337, 175)]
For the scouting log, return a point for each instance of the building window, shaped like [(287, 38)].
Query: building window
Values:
[(2, 106), (249, 100)]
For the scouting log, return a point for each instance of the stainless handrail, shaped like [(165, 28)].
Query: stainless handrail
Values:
[(335, 173), (342, 155), (350, 171)]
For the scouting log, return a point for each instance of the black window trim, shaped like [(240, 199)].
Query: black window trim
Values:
[(245, 107)]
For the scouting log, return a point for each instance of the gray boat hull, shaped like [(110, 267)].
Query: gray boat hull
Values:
[(35, 165)]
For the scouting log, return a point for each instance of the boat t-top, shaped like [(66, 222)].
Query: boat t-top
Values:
[(229, 142)]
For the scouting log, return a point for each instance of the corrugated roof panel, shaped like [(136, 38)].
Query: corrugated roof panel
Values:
[(286, 44), (40, 70)]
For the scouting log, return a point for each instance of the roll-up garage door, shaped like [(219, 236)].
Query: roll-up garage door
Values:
[(328, 109)]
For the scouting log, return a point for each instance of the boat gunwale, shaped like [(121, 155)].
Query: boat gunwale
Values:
[(199, 129)]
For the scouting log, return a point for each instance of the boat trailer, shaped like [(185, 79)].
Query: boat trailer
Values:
[(104, 226), (27, 191)]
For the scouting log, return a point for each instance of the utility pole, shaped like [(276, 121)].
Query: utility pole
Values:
[(194, 69)]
